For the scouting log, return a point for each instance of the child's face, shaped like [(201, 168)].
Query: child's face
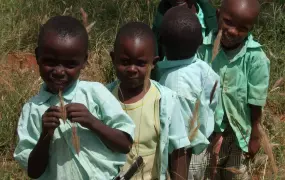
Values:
[(236, 24), (131, 59), (60, 60)]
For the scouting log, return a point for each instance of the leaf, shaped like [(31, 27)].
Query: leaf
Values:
[(213, 91)]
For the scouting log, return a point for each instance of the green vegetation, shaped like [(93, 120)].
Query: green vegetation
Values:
[(20, 23)]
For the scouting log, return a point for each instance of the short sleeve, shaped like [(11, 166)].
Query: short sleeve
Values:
[(29, 133), (114, 116), (177, 132), (258, 82)]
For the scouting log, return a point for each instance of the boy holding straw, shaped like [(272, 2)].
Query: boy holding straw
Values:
[(160, 129), (105, 131), (193, 79), (244, 71), (204, 10)]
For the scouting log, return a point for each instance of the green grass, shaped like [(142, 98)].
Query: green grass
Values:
[(20, 23)]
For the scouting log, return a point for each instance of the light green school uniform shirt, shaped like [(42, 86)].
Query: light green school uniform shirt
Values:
[(172, 134), (95, 160), (192, 79), (244, 77)]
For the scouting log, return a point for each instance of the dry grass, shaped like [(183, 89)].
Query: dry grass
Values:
[(20, 24)]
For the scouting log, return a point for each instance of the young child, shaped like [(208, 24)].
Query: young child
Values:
[(45, 147), (202, 8), (192, 79), (244, 71), (154, 109)]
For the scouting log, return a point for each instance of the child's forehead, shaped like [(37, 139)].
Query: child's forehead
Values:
[(131, 41)]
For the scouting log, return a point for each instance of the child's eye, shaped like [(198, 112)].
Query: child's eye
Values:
[(228, 22), (125, 61), (141, 63)]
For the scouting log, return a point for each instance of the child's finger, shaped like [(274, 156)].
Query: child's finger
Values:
[(74, 107), (51, 120), (56, 114), (73, 114), (53, 109)]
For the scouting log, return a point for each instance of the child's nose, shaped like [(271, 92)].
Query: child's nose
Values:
[(132, 69), (233, 31), (59, 71)]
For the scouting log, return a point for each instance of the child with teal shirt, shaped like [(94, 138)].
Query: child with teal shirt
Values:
[(202, 8), (160, 135), (191, 78), (244, 71), (45, 147)]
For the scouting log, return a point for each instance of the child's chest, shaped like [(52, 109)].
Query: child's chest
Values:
[(233, 75)]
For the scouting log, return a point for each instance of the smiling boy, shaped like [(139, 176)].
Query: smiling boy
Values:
[(244, 71), (45, 147), (160, 129)]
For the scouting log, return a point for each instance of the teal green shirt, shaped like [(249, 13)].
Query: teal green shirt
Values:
[(244, 80), (172, 129), (192, 79), (95, 160)]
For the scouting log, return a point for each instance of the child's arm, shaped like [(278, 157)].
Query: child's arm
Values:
[(258, 81), (114, 139), (254, 143), (38, 159), (180, 161)]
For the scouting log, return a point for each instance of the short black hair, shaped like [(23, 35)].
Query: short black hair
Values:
[(64, 26), (180, 33), (135, 30)]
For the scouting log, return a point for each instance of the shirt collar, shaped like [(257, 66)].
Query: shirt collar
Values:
[(171, 64), (249, 42), (68, 95)]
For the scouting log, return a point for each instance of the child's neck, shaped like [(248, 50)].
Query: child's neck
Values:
[(129, 95)]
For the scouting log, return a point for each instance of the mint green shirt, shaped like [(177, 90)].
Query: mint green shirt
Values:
[(244, 80), (192, 79), (95, 160)]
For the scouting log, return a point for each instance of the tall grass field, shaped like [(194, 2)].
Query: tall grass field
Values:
[(20, 21)]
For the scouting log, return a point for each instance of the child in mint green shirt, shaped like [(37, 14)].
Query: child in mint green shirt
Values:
[(192, 79), (45, 147), (244, 71)]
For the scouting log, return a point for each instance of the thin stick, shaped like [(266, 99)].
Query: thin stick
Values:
[(75, 139), (216, 47), (213, 91), (192, 123), (62, 108)]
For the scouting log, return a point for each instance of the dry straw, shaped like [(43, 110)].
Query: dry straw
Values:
[(74, 137), (193, 131), (265, 143), (213, 92), (277, 84), (62, 108), (216, 47)]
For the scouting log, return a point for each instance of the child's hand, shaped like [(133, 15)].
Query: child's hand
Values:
[(254, 142), (79, 113), (50, 120)]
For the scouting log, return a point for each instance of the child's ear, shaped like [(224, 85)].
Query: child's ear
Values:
[(112, 54), (155, 60), (37, 54), (218, 13), (85, 61)]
